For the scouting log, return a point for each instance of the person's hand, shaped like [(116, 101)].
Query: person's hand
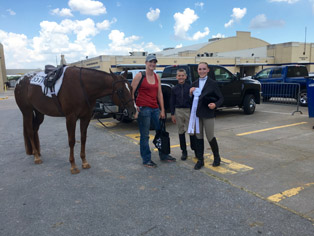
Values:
[(162, 114), (212, 106), (192, 90), (136, 113), (173, 118)]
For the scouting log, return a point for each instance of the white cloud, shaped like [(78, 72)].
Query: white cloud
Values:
[(121, 45), (199, 4), (219, 35), (87, 7), (287, 1), (179, 46), (15, 50), (237, 15), (53, 40), (229, 23), (183, 22), (198, 35), (261, 21), (105, 25), (153, 15), (12, 13), (64, 12)]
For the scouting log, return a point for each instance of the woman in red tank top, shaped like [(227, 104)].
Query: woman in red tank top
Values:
[(148, 102)]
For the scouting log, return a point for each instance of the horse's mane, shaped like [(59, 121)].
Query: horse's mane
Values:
[(93, 70)]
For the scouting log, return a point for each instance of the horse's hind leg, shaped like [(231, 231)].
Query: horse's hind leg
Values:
[(30, 136), (84, 125), (27, 142), (71, 124)]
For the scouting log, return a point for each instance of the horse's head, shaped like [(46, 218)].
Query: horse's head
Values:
[(122, 94)]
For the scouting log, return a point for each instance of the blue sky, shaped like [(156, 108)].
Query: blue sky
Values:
[(35, 33)]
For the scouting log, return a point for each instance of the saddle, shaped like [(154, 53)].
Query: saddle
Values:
[(53, 74)]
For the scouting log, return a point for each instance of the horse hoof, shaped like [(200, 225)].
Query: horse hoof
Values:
[(39, 161), (86, 166), (75, 171)]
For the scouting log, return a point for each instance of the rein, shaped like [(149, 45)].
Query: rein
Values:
[(119, 93)]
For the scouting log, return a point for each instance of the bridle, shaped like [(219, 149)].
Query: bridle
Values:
[(120, 94)]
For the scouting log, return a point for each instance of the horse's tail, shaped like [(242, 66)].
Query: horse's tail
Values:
[(37, 119)]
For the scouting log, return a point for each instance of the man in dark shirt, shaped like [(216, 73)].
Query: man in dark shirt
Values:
[(180, 106)]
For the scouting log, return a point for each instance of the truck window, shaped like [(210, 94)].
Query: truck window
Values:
[(297, 71), (276, 72), (264, 74), (222, 75), (170, 72)]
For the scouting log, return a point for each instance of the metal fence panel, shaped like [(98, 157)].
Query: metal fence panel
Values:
[(284, 93)]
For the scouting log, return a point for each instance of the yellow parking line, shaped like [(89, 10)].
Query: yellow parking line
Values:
[(288, 193), (277, 127), (227, 166)]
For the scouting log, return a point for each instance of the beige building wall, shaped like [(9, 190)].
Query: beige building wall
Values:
[(3, 74), (293, 52), (242, 40), (276, 54)]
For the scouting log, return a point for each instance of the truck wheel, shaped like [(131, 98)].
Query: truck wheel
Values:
[(303, 98), (249, 104)]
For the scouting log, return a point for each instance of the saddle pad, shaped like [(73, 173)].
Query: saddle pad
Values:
[(39, 78)]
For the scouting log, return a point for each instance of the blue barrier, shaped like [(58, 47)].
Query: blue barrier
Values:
[(310, 95)]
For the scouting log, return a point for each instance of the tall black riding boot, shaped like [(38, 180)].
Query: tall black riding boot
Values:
[(214, 146), (199, 153), (183, 147), (193, 143)]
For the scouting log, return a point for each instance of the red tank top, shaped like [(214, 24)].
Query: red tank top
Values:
[(147, 94)]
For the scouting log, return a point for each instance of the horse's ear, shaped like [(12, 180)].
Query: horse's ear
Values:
[(125, 73), (111, 73)]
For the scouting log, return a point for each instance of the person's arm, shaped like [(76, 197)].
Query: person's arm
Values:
[(219, 97), (134, 85), (160, 99)]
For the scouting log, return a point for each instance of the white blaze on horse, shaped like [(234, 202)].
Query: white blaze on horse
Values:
[(75, 100)]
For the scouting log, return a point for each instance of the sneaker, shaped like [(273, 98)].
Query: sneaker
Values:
[(168, 158), (150, 164)]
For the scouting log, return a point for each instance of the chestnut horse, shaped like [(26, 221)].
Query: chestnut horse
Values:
[(75, 100)]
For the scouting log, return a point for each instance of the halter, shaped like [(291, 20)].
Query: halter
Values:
[(120, 94)]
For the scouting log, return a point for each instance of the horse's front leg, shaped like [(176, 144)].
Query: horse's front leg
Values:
[(71, 124), (84, 125)]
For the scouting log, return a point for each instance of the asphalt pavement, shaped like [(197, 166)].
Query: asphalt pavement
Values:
[(118, 196)]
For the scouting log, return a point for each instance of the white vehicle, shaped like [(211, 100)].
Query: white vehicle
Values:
[(132, 73)]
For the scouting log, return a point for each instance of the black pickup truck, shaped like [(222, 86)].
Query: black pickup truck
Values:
[(241, 92)]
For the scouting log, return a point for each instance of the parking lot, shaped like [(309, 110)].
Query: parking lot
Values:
[(269, 154), (265, 185)]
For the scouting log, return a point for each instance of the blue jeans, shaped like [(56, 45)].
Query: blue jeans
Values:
[(145, 116)]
